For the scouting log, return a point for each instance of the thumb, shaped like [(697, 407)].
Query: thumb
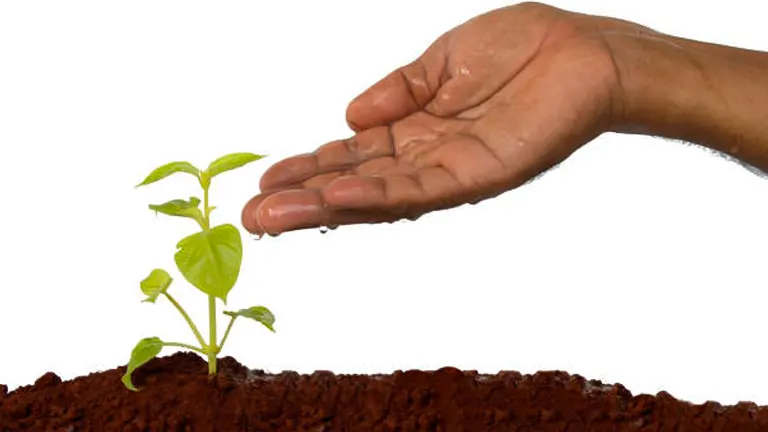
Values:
[(404, 91)]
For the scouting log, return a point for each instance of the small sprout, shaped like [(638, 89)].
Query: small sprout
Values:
[(209, 260)]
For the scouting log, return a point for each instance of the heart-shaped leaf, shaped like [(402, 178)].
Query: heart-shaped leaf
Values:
[(256, 313), (155, 284), (210, 260), (181, 208), (144, 351), (169, 169), (230, 162)]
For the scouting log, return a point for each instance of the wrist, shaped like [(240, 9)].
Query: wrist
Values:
[(707, 94), (663, 86)]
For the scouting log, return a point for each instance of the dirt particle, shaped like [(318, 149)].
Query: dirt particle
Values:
[(48, 380)]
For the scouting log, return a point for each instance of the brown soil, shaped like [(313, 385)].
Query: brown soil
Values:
[(177, 395)]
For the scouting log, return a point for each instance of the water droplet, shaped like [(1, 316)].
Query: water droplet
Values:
[(332, 227), (323, 230)]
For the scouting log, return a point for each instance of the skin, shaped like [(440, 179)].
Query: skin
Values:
[(504, 97)]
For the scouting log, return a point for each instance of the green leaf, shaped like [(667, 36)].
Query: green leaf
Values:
[(210, 260), (155, 284), (145, 350), (231, 161), (257, 313), (181, 208), (169, 169)]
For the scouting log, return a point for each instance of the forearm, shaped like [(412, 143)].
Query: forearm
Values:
[(707, 94)]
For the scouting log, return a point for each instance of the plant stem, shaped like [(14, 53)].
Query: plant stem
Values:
[(212, 348), (183, 345), (226, 332), (187, 319), (206, 209)]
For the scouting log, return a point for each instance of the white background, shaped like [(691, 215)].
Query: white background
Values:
[(639, 260)]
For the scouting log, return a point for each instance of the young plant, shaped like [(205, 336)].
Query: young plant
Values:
[(209, 260)]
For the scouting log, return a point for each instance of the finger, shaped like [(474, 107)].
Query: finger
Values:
[(463, 169), (447, 179), (402, 92), (384, 165), (297, 209), (404, 195), (350, 200), (381, 166), (335, 156), (320, 181), (283, 211), (248, 214)]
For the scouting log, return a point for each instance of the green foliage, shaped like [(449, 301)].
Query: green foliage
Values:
[(181, 208), (257, 313), (230, 162), (144, 351), (169, 169), (209, 260), (155, 284)]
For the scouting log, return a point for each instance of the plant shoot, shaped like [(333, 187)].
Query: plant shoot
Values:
[(209, 260)]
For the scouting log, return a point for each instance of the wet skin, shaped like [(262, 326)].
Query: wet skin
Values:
[(502, 98)]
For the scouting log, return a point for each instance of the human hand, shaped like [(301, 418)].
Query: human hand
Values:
[(488, 106)]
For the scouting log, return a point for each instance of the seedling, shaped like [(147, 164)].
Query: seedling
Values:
[(209, 260)]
